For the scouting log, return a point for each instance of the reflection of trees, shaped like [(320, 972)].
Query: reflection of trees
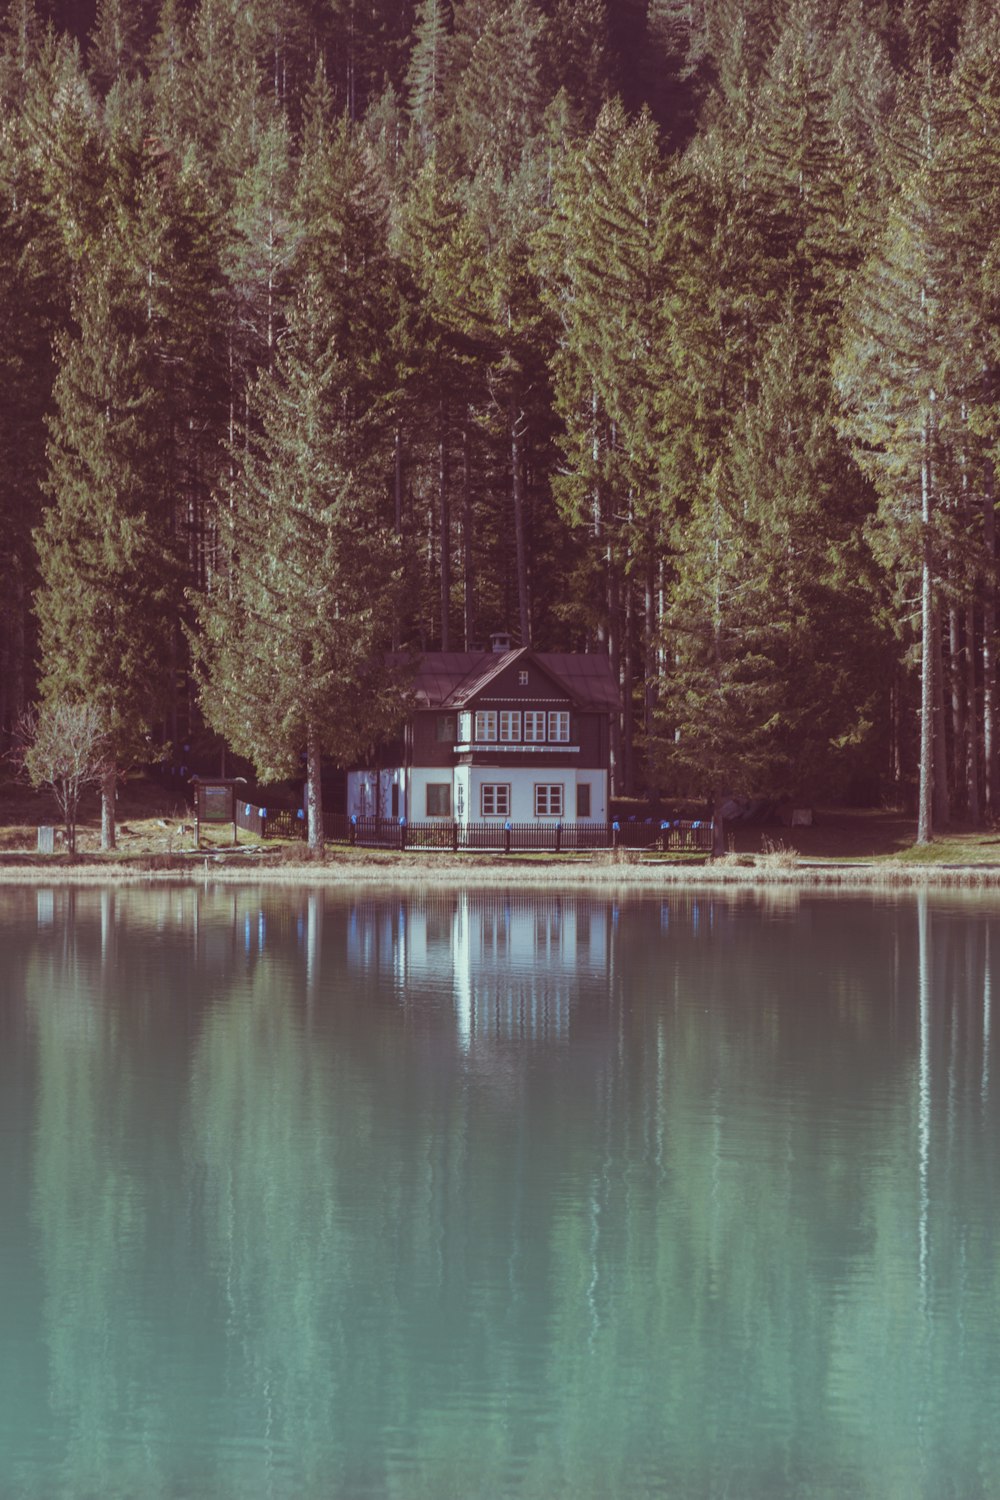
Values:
[(261, 1129), (88, 1204), (725, 1227)]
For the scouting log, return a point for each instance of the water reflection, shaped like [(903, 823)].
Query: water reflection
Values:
[(488, 1195)]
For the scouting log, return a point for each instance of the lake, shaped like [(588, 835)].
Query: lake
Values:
[(484, 1194)]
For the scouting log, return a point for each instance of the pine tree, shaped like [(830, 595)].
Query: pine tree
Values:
[(900, 379), (499, 96), (110, 582), (294, 632), (427, 76), (606, 280), (117, 42)]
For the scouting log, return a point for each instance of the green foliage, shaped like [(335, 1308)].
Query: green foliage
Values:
[(294, 625), (110, 581), (297, 618), (646, 324)]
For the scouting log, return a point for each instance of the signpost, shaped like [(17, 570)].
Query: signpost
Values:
[(215, 802)]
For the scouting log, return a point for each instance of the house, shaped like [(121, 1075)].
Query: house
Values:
[(509, 735)]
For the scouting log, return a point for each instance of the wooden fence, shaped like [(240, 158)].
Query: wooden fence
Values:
[(498, 836)]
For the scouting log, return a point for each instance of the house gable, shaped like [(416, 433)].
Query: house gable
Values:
[(515, 680)]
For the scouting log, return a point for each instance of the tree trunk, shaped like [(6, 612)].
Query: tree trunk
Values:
[(942, 787), (971, 726), (444, 530), (314, 793), (990, 788), (397, 492), (925, 804), (615, 653), (718, 827), (520, 540), (896, 748), (627, 676), (959, 759), (468, 566), (108, 824)]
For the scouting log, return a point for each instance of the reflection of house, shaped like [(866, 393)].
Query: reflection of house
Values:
[(520, 736), (511, 963)]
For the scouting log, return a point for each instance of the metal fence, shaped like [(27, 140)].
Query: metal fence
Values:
[(499, 836), (270, 822)]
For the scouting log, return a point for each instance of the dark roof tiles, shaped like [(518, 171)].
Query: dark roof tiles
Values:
[(448, 679)]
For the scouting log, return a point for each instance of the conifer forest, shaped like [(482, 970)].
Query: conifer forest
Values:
[(662, 328)]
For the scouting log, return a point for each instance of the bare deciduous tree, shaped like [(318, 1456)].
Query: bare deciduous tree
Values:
[(62, 745)]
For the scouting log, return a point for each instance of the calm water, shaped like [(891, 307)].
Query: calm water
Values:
[(488, 1196)]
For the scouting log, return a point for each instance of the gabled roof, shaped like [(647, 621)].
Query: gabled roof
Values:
[(450, 679), (587, 675)]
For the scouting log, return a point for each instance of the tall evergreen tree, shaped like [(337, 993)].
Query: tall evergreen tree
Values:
[(427, 76), (900, 385), (295, 628), (107, 554)]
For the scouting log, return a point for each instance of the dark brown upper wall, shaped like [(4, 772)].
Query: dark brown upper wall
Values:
[(587, 730), (506, 690), (428, 750)]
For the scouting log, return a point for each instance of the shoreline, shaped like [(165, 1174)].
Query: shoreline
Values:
[(885, 875)]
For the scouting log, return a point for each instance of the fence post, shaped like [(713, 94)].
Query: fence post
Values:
[(352, 837), (402, 833), (263, 822), (454, 835), (616, 829), (558, 831), (506, 838)]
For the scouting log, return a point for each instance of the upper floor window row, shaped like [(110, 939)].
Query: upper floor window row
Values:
[(512, 726)]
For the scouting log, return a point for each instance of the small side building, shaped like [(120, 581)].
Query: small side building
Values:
[(508, 735)]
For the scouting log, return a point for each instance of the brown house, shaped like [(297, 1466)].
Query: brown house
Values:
[(516, 736)]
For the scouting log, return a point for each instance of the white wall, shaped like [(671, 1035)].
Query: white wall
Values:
[(466, 802), (419, 778)]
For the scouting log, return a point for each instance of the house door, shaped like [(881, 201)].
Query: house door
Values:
[(395, 801)]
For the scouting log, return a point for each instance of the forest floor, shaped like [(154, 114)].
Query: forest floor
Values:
[(156, 832)]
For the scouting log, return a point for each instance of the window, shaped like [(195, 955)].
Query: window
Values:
[(464, 728), (559, 726), (445, 729), (439, 799), (548, 801), (496, 800), (510, 725), (522, 679), (583, 799), (486, 724), (534, 726)]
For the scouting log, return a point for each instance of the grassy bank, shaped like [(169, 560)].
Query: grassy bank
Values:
[(843, 848)]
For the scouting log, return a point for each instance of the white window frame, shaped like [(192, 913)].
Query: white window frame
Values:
[(558, 726), (549, 799), (486, 725), (510, 726), (437, 786), (494, 799), (534, 726), (522, 679), (464, 727)]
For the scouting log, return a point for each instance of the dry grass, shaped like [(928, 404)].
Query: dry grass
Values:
[(156, 841)]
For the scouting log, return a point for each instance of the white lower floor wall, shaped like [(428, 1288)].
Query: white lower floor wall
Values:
[(376, 794), (478, 794), (530, 794)]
